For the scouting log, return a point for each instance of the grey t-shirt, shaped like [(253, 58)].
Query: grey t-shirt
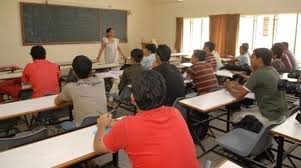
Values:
[(88, 97), (264, 84)]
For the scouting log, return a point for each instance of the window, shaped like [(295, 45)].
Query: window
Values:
[(195, 33), (265, 30)]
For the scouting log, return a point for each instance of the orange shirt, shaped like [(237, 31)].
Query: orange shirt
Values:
[(43, 75)]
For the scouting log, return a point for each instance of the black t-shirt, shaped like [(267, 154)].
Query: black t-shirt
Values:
[(174, 82)]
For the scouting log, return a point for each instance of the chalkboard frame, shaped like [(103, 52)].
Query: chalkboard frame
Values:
[(68, 42)]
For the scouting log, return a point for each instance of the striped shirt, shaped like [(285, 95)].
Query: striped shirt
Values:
[(211, 60), (203, 77)]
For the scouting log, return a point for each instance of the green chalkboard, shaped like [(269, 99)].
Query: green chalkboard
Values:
[(57, 24)]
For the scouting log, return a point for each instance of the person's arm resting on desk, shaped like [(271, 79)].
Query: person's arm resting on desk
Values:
[(111, 141), (236, 90), (64, 96)]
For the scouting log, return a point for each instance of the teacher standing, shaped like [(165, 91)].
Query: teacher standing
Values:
[(111, 47)]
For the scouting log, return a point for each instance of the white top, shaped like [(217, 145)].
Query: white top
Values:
[(284, 77), (186, 64), (13, 75), (111, 54), (228, 164), (58, 151), (217, 59), (244, 59), (148, 61), (290, 129), (23, 107), (181, 54)]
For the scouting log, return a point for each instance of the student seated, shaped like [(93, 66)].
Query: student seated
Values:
[(173, 77), (149, 58), (284, 58), (129, 73), (42, 74), (276, 55), (201, 73), (290, 55), (208, 48), (87, 94), (243, 58), (263, 83), (157, 136)]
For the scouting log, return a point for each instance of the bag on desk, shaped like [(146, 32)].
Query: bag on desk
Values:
[(249, 123)]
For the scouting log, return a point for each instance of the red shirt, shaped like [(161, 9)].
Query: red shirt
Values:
[(43, 75), (211, 60), (158, 138)]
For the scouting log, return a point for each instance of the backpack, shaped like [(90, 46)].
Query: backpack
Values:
[(250, 123)]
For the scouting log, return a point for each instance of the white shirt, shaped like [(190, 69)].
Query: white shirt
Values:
[(111, 54), (148, 61), (217, 59), (244, 59)]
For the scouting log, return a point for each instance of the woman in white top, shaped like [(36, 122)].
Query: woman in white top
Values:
[(111, 47)]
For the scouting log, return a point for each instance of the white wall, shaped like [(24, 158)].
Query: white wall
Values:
[(166, 12), (13, 52)]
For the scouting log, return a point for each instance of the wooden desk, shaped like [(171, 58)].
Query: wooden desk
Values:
[(13, 75), (110, 74), (104, 66), (228, 164), (225, 73), (19, 108), (210, 101), (59, 151), (291, 130)]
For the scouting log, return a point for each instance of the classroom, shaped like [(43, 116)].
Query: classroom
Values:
[(150, 83)]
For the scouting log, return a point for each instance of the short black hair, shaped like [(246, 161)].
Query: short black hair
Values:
[(82, 66), (38, 52), (137, 55), (200, 54), (210, 45), (285, 44), (151, 47), (277, 50), (265, 54), (109, 29), (164, 52), (149, 90), (245, 46)]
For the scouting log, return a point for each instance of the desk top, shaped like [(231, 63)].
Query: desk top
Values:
[(110, 74), (59, 151), (12, 75), (227, 59), (180, 54), (104, 66), (210, 101), (290, 129), (284, 77), (29, 106), (228, 164), (225, 73)]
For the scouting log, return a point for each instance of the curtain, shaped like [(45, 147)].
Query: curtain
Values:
[(223, 31), (179, 34)]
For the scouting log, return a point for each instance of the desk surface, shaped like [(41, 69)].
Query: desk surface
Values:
[(227, 59), (110, 74), (209, 101), (225, 73), (104, 66), (284, 77), (180, 54), (290, 129), (228, 164), (12, 75), (59, 151), (23, 107)]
